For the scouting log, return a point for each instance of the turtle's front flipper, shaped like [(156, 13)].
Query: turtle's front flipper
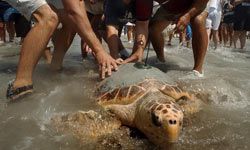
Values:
[(175, 92), (87, 126), (125, 113)]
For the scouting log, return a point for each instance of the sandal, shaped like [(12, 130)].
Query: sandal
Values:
[(15, 93)]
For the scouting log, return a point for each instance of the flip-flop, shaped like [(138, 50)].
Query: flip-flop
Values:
[(16, 93)]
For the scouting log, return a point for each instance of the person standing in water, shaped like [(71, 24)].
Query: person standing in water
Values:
[(241, 21), (213, 20), (33, 45), (184, 12), (38, 38)]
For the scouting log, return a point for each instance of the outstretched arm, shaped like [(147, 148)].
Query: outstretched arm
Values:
[(143, 13), (140, 41), (77, 15)]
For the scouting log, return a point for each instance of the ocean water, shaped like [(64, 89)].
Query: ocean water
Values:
[(223, 123)]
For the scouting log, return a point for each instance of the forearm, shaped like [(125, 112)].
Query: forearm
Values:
[(197, 8), (141, 36), (78, 17)]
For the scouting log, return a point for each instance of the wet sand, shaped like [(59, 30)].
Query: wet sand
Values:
[(223, 124)]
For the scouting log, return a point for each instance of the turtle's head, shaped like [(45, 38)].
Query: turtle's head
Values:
[(165, 123)]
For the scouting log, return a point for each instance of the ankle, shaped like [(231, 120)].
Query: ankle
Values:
[(21, 83), (199, 70)]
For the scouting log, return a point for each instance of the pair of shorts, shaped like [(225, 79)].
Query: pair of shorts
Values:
[(228, 19), (27, 7), (3, 7), (163, 14), (242, 17), (22, 26), (117, 13), (10, 14), (213, 20)]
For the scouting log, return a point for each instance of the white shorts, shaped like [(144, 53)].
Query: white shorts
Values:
[(213, 20), (26, 7)]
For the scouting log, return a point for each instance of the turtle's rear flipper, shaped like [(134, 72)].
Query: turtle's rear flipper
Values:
[(176, 93)]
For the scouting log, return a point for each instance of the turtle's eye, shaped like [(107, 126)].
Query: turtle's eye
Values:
[(155, 120)]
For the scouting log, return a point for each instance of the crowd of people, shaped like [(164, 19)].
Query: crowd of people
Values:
[(228, 21), (39, 21)]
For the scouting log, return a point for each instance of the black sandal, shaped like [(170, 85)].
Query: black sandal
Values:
[(15, 93)]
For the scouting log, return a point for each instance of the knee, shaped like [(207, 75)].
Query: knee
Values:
[(111, 31), (51, 19), (199, 20), (47, 17)]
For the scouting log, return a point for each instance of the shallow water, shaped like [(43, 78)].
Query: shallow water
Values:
[(224, 123)]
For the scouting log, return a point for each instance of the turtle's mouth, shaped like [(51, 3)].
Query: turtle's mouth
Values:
[(173, 132)]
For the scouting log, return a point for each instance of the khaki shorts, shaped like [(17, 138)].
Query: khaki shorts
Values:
[(27, 7)]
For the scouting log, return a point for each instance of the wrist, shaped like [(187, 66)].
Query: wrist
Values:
[(188, 15)]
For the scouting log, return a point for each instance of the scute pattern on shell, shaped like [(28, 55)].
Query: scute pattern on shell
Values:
[(122, 96)]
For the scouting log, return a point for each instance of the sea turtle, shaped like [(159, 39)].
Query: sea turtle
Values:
[(141, 98)]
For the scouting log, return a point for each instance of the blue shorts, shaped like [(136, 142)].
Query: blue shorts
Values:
[(189, 32), (10, 14), (3, 7)]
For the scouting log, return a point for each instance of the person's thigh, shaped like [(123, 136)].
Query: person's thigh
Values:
[(162, 19), (163, 15), (27, 7)]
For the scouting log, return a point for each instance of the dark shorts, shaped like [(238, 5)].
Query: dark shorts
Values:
[(10, 14), (22, 26), (101, 24), (117, 13), (242, 17), (228, 18), (3, 7), (163, 14)]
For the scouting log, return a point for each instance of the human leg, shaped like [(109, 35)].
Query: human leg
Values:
[(230, 34), (11, 30), (62, 39), (216, 39), (2, 32), (225, 33), (47, 55), (242, 38), (34, 44), (156, 37), (236, 37), (130, 33), (113, 40), (199, 40)]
